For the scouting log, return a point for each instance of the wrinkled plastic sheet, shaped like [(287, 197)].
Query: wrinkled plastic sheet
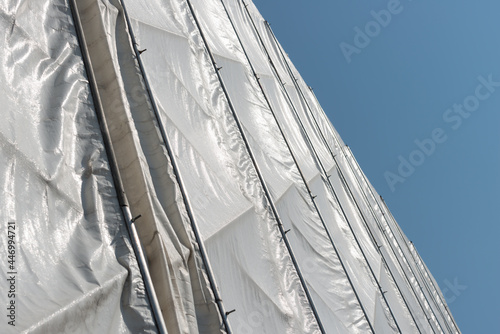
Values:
[(343, 228), (369, 213), (398, 262), (316, 256), (56, 182), (174, 259), (75, 268), (253, 269)]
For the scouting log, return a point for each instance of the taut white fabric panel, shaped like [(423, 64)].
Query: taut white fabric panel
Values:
[(75, 268)]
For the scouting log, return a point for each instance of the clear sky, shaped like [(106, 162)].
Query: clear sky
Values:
[(428, 74)]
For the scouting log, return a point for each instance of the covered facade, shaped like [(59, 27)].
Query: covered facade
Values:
[(168, 170)]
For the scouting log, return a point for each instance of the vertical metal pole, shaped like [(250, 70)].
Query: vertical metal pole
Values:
[(115, 172), (259, 174), (177, 174)]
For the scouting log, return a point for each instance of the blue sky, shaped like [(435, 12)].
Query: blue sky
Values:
[(423, 71)]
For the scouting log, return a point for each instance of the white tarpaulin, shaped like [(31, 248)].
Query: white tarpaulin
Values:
[(253, 215), (74, 269)]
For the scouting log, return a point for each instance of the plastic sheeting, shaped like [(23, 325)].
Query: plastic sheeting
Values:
[(327, 145), (254, 271), (75, 270), (254, 215), (177, 269), (311, 136)]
